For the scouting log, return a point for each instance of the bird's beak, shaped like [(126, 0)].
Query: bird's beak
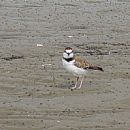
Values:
[(68, 54)]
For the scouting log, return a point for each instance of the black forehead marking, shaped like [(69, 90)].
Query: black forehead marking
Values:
[(68, 48)]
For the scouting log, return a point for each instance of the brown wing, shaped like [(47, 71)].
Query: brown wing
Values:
[(81, 63)]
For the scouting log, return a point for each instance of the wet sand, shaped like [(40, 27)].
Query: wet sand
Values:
[(37, 96)]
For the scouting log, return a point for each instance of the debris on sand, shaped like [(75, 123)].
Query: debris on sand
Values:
[(39, 45), (46, 65)]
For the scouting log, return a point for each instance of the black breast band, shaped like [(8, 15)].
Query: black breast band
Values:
[(68, 60)]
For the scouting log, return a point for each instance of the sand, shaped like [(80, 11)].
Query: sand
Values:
[(35, 89)]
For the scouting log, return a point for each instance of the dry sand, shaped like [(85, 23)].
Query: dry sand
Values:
[(36, 97)]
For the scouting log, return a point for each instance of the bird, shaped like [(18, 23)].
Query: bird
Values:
[(77, 66)]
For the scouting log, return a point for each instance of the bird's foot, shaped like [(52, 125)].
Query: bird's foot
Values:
[(73, 88), (79, 87)]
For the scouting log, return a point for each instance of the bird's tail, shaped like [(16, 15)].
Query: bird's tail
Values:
[(95, 68)]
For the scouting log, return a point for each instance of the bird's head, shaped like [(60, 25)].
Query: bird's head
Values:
[(68, 53)]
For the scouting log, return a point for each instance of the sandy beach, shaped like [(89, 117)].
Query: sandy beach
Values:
[(34, 87)]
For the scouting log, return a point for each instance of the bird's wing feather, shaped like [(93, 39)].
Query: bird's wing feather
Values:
[(81, 63)]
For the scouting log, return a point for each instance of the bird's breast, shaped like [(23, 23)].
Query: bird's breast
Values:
[(70, 67)]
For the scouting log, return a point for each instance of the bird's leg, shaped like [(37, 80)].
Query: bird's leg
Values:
[(75, 84), (81, 83)]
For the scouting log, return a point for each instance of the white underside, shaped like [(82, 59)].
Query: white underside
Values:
[(70, 67)]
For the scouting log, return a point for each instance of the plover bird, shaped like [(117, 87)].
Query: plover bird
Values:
[(77, 66)]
